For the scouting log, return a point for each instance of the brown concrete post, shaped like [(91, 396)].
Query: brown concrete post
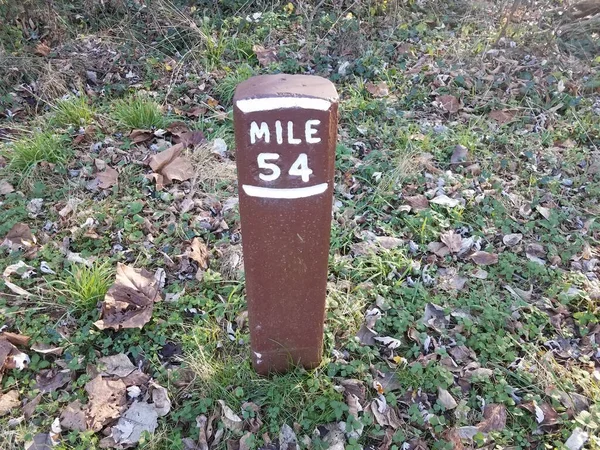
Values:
[(285, 132)]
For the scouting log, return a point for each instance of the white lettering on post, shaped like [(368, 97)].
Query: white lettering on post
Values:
[(259, 133), (291, 138), (279, 131), (309, 131), (300, 168), (263, 164)]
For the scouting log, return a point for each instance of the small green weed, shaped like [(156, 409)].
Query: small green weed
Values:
[(226, 88), (87, 285), (138, 112), (74, 111), (26, 154)]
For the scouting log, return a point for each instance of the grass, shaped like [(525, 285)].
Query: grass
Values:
[(25, 155), (138, 112), (226, 87), (85, 285), (75, 111)]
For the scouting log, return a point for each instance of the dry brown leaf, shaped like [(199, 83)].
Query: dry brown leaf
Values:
[(19, 236), (438, 248), (15, 338), (191, 138), (545, 414), (42, 49), (448, 103), (264, 55), (9, 401), (73, 417), (452, 240), (484, 258), (46, 349), (130, 300), (199, 252), (107, 401), (171, 166), (378, 90), (31, 405), (108, 178), (118, 365), (141, 136), (417, 202), (503, 116), (494, 418), (230, 419), (6, 187), (51, 379)]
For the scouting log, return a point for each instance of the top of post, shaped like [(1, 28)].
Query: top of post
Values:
[(285, 91)]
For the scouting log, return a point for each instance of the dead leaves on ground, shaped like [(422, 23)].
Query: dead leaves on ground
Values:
[(169, 165), (130, 300)]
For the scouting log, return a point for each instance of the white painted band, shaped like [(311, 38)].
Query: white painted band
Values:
[(257, 191), (272, 103)]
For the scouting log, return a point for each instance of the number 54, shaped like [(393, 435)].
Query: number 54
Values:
[(299, 167)]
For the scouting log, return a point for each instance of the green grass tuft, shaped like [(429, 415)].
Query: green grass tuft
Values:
[(138, 112), (86, 286), (74, 111), (26, 154), (226, 88)]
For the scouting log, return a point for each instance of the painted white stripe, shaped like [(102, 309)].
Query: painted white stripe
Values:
[(257, 191), (271, 103)]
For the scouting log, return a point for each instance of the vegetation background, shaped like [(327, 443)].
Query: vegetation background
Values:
[(463, 293)]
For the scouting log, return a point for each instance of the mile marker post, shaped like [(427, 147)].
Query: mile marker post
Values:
[(285, 132)]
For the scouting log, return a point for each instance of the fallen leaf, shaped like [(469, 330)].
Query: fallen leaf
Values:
[(378, 90), (545, 212), (199, 252), (577, 439), (484, 258), (545, 414), (73, 417), (9, 401), (417, 202), (130, 300), (444, 200), (15, 338), (449, 103), (118, 365), (264, 55), (108, 178), (459, 155), (511, 240), (453, 436), (168, 165), (106, 401), (6, 187), (230, 419), (494, 418), (191, 139), (445, 399), (42, 49), (19, 237), (31, 405), (160, 399), (503, 116), (50, 380), (41, 441), (141, 136), (46, 349), (389, 242), (452, 240), (438, 248), (139, 418), (287, 438), (435, 317)]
